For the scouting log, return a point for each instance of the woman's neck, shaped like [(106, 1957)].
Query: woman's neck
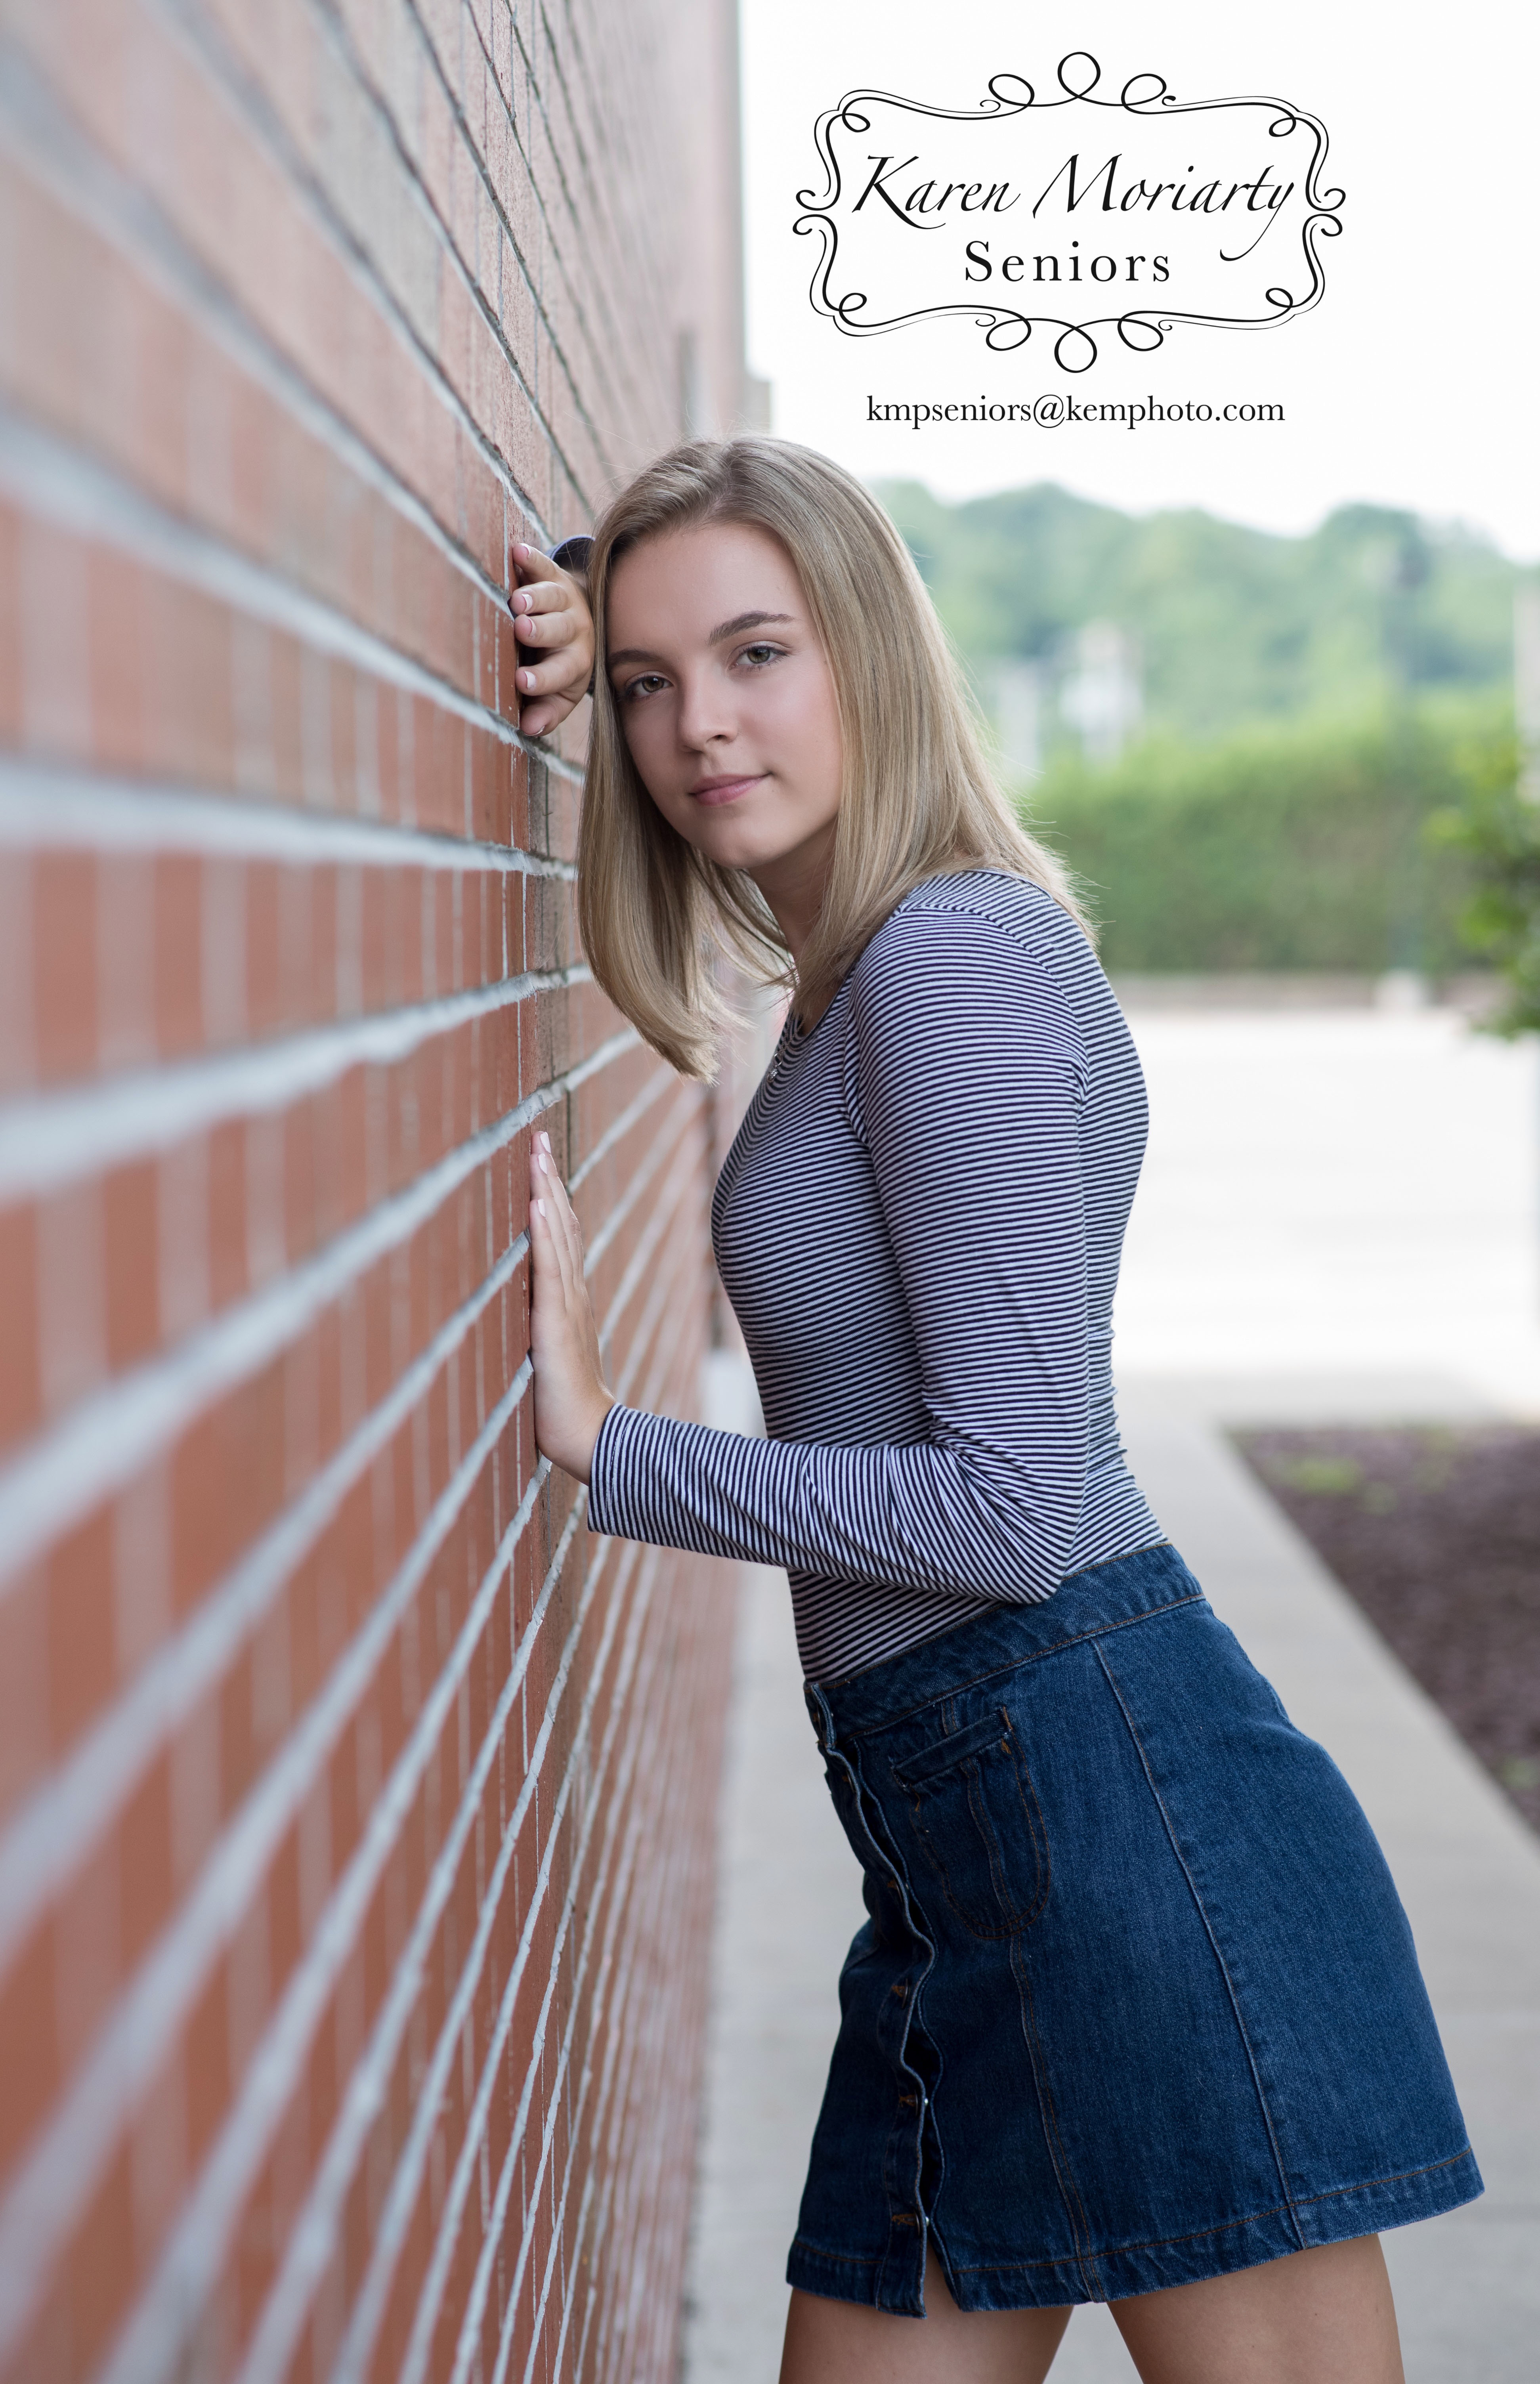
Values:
[(794, 885)]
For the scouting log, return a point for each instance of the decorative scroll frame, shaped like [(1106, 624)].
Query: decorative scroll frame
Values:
[(1142, 328)]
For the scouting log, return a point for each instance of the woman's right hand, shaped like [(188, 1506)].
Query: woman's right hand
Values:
[(551, 612)]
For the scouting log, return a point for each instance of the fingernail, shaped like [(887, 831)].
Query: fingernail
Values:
[(545, 1138), (527, 681), (521, 551), (540, 1208), (543, 1163)]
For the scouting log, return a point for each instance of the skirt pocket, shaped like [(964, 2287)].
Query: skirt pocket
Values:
[(975, 1814)]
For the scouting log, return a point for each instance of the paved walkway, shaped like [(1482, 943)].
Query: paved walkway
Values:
[(1263, 1283)]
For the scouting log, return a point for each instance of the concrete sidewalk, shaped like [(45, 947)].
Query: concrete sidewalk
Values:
[(1468, 2285)]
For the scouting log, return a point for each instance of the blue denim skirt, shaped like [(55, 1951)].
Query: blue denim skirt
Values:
[(1136, 2002)]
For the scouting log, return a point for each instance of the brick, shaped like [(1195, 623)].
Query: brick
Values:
[(130, 1227), (64, 989), (21, 1379)]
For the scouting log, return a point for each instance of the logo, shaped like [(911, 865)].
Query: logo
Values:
[(1075, 213)]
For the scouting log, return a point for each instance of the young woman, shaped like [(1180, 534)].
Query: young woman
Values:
[(1136, 2016)]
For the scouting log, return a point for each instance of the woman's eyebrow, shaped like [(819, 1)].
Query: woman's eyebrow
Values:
[(739, 622), (744, 621)]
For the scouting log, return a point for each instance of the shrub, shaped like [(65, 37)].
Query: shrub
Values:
[(1280, 847)]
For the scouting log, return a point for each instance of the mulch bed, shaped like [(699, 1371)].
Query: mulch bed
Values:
[(1435, 1529)]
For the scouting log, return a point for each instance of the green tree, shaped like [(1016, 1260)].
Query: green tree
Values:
[(1233, 624)]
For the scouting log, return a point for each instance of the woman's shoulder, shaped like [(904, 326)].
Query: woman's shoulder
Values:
[(970, 980), (949, 927)]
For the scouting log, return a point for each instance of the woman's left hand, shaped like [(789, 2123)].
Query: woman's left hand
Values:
[(551, 614), (571, 1401)]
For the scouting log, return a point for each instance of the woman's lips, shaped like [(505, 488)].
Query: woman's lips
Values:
[(724, 791)]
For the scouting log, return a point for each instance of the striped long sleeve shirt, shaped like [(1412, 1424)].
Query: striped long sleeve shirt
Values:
[(919, 1227)]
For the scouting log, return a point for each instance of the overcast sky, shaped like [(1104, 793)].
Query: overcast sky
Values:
[(1415, 381)]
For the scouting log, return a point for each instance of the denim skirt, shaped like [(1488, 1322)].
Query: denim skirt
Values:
[(1136, 2002)]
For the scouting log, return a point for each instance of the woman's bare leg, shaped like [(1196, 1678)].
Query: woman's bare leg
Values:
[(841, 2343), (1322, 2316)]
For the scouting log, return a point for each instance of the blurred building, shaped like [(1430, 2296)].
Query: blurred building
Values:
[(1021, 708), (1090, 688), (1101, 697), (1526, 683), (356, 1806)]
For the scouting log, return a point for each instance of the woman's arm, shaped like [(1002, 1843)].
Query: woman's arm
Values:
[(551, 614), (967, 1086)]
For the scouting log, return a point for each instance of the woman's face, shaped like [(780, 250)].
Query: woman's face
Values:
[(726, 697)]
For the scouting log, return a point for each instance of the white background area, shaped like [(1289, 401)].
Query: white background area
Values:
[(1340, 1191), (1415, 381)]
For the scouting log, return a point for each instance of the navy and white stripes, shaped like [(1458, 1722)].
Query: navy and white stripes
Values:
[(919, 1227)]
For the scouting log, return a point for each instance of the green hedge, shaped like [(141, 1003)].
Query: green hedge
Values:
[(1495, 830), (1279, 847)]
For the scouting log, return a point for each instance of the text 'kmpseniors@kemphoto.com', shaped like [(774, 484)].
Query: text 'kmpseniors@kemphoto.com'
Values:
[(1050, 413)]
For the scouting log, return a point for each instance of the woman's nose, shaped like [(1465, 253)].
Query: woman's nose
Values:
[(706, 710)]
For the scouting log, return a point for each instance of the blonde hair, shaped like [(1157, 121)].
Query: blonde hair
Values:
[(918, 797)]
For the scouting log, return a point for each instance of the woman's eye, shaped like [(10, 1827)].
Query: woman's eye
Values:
[(756, 656), (645, 684)]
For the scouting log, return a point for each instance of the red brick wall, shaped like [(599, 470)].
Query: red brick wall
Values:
[(354, 1803)]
